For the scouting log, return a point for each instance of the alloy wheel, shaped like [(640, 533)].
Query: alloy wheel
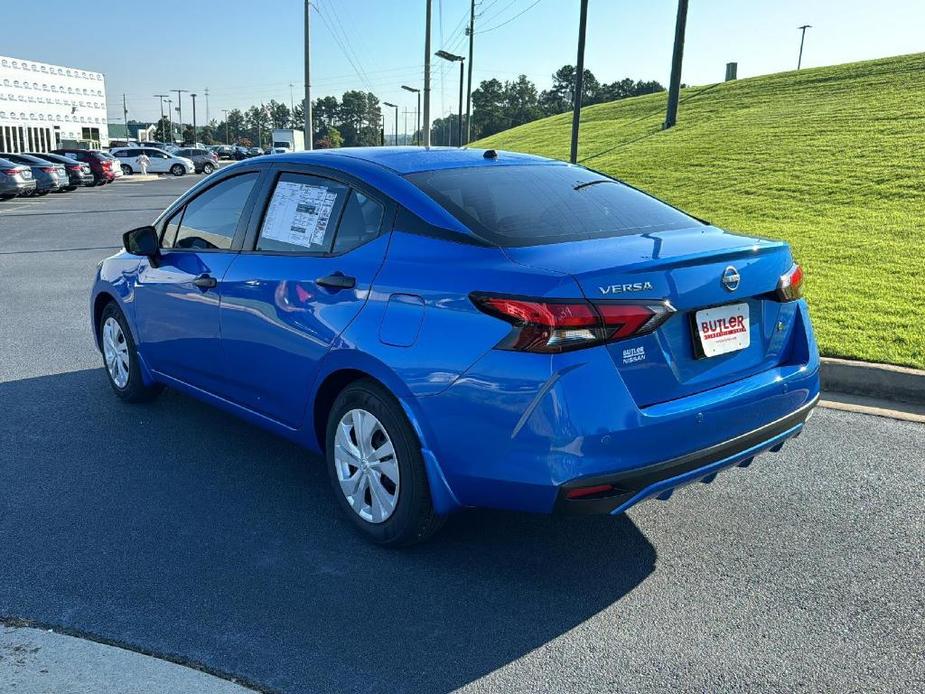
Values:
[(366, 466), (115, 352)]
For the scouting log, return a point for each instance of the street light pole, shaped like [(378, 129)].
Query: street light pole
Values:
[(395, 106), (446, 55), (579, 80), (674, 86), (227, 139), (471, 31), (180, 93), (160, 99), (802, 38), (170, 119), (426, 124), (194, 119), (417, 117), (307, 107)]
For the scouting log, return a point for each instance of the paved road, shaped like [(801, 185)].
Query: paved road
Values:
[(179, 530)]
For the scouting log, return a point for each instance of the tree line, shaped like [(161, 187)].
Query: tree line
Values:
[(356, 119)]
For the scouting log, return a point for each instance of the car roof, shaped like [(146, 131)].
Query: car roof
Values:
[(406, 160)]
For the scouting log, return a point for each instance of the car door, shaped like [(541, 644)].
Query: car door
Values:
[(160, 161), (305, 272), (177, 296)]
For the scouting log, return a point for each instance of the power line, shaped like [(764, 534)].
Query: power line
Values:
[(508, 21)]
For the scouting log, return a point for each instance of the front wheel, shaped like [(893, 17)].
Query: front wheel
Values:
[(120, 357), (207, 169), (177, 170), (376, 467)]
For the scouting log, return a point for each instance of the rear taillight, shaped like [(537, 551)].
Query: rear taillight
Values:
[(107, 164), (790, 285), (49, 169), (75, 167), (552, 326), (12, 172)]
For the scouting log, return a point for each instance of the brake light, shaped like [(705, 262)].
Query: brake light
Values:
[(107, 164), (12, 172), (49, 169), (790, 285), (74, 167), (550, 326)]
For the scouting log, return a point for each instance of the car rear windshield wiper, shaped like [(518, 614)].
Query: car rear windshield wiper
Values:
[(591, 183)]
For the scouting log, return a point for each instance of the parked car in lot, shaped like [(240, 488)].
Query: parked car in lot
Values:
[(203, 160), (78, 173), (102, 165), (240, 153), (160, 161), (15, 180), (48, 177), (254, 152), (223, 151), (457, 328)]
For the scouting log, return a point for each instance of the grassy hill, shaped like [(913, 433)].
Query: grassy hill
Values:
[(830, 159)]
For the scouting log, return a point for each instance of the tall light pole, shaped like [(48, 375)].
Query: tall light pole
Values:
[(674, 86), (802, 39), (194, 119), (227, 139), (307, 108), (417, 118), (180, 93), (170, 119), (207, 105), (461, 60), (426, 124), (395, 106), (471, 32), (160, 99), (579, 80)]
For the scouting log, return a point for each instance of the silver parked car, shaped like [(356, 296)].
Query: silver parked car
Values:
[(15, 179)]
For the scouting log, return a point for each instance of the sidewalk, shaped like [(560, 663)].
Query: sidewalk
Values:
[(37, 661)]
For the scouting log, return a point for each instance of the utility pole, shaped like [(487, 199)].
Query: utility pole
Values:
[(194, 119), (227, 139), (207, 105), (579, 80), (426, 124), (802, 38), (471, 32), (125, 117), (170, 118), (307, 108), (160, 99), (417, 117), (291, 100), (180, 93), (674, 86)]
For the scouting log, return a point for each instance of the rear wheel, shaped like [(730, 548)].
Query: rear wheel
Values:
[(207, 169), (127, 170), (376, 467), (177, 170), (120, 357)]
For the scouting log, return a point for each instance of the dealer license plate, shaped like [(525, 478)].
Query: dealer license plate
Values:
[(723, 329)]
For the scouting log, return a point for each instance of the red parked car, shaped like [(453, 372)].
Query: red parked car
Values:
[(103, 166)]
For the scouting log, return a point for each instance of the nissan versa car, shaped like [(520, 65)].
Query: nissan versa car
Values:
[(457, 328)]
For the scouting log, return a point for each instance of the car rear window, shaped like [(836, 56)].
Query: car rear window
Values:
[(546, 203)]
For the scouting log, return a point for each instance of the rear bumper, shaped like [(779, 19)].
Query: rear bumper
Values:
[(632, 486)]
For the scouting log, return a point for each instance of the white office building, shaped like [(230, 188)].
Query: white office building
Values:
[(46, 106)]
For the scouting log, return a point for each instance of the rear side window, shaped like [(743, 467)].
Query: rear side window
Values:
[(546, 203), (210, 220), (360, 222), (302, 214)]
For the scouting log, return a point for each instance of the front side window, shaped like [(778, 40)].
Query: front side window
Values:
[(546, 203), (302, 214), (209, 220)]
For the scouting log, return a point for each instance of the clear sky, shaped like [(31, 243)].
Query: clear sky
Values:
[(246, 52)]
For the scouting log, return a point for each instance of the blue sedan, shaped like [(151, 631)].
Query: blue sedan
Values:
[(457, 328)]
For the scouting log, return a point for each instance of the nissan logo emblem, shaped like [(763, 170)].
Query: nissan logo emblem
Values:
[(731, 278)]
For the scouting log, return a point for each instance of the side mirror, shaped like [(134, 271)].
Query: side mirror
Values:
[(142, 241)]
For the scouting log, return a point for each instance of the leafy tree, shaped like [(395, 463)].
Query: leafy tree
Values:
[(189, 135), (488, 106), (162, 132), (521, 104), (280, 115), (258, 124)]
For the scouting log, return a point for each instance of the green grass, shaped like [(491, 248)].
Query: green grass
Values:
[(830, 159)]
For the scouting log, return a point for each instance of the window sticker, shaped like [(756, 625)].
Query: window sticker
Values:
[(299, 214)]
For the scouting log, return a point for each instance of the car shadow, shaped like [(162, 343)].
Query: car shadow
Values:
[(176, 529)]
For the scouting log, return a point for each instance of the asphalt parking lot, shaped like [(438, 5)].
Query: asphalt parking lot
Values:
[(178, 530)]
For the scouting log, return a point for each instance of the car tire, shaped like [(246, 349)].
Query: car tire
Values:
[(404, 514), (127, 170), (177, 170), (120, 358), (207, 169)]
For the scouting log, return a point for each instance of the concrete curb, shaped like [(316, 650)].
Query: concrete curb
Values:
[(883, 381)]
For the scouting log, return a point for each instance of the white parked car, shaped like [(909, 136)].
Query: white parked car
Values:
[(161, 161)]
